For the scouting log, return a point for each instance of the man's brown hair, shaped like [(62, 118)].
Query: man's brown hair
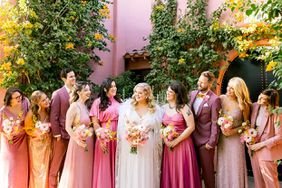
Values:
[(208, 75)]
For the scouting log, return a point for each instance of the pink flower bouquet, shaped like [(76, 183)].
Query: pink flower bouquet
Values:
[(169, 133), (11, 127), (225, 121), (42, 128), (249, 136), (136, 135), (82, 132)]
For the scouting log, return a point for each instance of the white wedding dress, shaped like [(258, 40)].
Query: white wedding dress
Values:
[(141, 170)]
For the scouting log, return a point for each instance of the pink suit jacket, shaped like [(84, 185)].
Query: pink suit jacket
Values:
[(59, 106), (270, 132), (206, 128)]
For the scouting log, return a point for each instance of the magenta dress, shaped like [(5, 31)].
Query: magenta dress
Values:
[(14, 155), (179, 166), (78, 166), (104, 164)]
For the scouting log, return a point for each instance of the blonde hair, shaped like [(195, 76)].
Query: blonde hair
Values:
[(35, 99), (241, 92), (149, 96)]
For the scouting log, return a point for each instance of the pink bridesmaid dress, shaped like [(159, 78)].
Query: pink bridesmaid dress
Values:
[(104, 163), (14, 155), (179, 166), (78, 166)]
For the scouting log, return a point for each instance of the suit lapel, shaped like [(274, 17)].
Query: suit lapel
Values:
[(206, 98), (255, 115), (65, 94), (193, 98)]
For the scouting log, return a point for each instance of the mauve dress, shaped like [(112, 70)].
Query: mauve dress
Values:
[(104, 163), (78, 166), (231, 161), (179, 166), (14, 156)]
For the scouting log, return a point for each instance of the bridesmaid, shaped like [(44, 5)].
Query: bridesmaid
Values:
[(78, 165), (231, 165), (39, 140), (104, 112), (179, 166), (268, 148), (14, 149)]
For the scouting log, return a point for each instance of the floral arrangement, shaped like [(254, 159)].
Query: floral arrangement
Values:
[(249, 135), (136, 135), (11, 127), (82, 132), (225, 121), (105, 135), (168, 132), (42, 128)]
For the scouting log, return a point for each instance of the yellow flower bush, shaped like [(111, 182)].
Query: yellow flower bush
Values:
[(69, 45), (98, 36)]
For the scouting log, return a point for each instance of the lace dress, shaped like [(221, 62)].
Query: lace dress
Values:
[(141, 170), (231, 163)]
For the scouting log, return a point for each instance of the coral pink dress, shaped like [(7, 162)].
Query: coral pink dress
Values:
[(179, 166), (78, 166), (14, 154), (104, 163)]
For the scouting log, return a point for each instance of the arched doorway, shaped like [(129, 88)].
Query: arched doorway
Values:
[(257, 79)]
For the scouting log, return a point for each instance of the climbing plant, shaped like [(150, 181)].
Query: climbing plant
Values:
[(39, 38)]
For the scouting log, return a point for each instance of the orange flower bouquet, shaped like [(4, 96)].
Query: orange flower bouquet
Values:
[(136, 135), (105, 135)]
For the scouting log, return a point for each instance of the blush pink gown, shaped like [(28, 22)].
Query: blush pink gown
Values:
[(78, 166), (179, 166), (14, 156), (104, 163)]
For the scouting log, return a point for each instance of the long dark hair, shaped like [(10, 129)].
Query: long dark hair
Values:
[(273, 97), (79, 86), (35, 99), (104, 88), (9, 93), (180, 94)]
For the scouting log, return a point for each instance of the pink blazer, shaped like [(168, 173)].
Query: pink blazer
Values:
[(59, 106), (206, 128), (270, 132)]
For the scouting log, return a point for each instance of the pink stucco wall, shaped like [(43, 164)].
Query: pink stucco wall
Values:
[(130, 24)]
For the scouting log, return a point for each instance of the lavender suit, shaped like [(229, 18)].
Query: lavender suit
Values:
[(59, 107), (263, 160), (206, 132)]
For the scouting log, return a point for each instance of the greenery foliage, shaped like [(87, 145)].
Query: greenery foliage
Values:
[(181, 47), (42, 37), (125, 84)]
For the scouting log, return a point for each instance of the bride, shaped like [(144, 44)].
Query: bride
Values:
[(139, 168)]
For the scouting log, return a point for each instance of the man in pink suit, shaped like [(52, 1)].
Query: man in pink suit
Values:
[(268, 148), (205, 106), (59, 106)]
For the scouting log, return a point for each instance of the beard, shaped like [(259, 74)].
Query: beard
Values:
[(203, 89)]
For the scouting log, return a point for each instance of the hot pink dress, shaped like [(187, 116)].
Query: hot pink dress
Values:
[(14, 154), (104, 163), (179, 166), (78, 166)]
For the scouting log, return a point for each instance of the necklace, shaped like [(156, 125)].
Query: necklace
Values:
[(171, 107)]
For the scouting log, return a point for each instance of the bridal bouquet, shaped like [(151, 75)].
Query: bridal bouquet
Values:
[(249, 135), (136, 135), (11, 127), (225, 121), (42, 128), (169, 133), (82, 132), (105, 135)]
